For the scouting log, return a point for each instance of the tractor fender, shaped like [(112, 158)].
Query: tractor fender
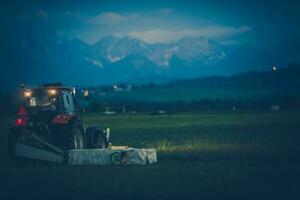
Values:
[(64, 119), (92, 133)]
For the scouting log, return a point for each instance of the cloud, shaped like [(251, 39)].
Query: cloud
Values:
[(106, 18), (114, 18), (165, 11), (110, 18), (167, 36)]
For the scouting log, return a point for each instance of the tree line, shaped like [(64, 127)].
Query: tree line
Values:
[(288, 103)]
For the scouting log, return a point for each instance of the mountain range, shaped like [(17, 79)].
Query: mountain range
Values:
[(34, 57)]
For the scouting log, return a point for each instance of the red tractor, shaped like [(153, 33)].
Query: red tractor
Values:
[(50, 116)]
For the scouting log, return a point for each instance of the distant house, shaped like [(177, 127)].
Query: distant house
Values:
[(275, 107), (129, 88), (108, 111), (159, 112), (117, 88), (121, 88), (113, 110)]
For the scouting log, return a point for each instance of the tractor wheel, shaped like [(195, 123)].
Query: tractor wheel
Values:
[(100, 142), (75, 136), (15, 135), (12, 141)]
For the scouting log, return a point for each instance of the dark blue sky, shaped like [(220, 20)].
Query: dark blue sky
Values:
[(276, 22)]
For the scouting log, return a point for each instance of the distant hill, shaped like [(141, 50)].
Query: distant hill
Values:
[(287, 78), (251, 85)]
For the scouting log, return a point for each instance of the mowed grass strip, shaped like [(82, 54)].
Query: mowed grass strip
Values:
[(131, 122), (208, 136)]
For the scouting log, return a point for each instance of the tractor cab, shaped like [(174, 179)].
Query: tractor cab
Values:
[(43, 104)]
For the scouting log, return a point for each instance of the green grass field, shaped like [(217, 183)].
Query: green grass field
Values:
[(207, 136), (200, 156)]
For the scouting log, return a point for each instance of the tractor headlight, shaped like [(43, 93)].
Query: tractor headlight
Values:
[(27, 93), (52, 92)]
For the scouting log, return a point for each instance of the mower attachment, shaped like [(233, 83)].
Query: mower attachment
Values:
[(115, 155), (130, 156), (30, 152), (48, 153)]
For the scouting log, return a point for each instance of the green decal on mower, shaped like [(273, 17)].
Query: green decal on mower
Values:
[(116, 158)]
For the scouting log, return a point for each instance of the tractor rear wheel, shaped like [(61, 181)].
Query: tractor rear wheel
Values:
[(75, 136)]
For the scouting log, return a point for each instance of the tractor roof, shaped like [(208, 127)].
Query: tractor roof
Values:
[(52, 86)]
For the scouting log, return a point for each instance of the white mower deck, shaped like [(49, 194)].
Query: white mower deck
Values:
[(130, 156), (111, 156)]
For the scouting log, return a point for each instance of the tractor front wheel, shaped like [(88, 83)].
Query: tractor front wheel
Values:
[(100, 142)]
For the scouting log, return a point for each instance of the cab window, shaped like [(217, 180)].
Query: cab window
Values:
[(69, 104)]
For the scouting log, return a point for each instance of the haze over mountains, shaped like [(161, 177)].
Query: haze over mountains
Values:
[(37, 57)]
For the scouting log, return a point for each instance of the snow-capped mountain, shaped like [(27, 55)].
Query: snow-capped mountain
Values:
[(191, 51), (112, 49), (45, 56)]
